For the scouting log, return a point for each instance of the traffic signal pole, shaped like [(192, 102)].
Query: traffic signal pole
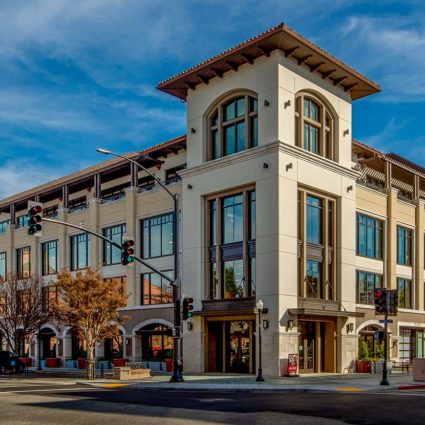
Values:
[(63, 223), (384, 380)]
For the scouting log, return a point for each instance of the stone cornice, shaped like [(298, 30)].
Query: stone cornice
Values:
[(277, 146)]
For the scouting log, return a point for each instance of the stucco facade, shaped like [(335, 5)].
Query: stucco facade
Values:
[(322, 320)]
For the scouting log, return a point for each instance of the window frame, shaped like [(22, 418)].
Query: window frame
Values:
[(407, 282), (142, 226), (249, 118), (376, 230), (3, 257), (219, 253), (107, 248), (326, 125), (75, 265), (163, 281), (407, 251), (45, 261), (378, 279), (20, 272)]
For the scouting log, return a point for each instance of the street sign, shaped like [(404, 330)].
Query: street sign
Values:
[(386, 321)]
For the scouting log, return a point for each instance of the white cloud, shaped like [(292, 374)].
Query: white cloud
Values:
[(17, 176), (391, 48)]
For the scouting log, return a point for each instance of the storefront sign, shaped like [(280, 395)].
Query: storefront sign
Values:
[(292, 364)]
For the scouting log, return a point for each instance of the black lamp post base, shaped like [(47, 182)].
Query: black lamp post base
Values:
[(260, 377)]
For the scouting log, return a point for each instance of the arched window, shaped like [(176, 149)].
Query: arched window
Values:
[(233, 126), (314, 126)]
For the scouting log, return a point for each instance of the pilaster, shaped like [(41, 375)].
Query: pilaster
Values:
[(419, 250), (93, 225), (392, 239)]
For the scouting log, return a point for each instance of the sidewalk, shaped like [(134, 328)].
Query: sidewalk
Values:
[(304, 383)]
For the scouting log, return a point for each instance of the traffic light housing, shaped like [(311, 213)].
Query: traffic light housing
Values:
[(380, 295), (127, 251), (187, 308), (392, 302), (35, 218)]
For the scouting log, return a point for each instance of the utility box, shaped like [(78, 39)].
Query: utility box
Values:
[(419, 369)]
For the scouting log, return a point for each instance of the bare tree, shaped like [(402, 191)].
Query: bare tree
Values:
[(23, 309), (90, 305)]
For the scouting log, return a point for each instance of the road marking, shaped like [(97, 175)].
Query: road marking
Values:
[(49, 390), (112, 385), (350, 389)]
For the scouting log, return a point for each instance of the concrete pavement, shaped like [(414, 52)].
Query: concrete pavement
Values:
[(304, 383)]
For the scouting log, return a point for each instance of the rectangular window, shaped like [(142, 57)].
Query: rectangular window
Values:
[(156, 289), (231, 239), (404, 246), (22, 221), (314, 220), (49, 252), (252, 215), (80, 251), (404, 287), (157, 236), (4, 225), (51, 212), (112, 254), (3, 266), (233, 219), (23, 262), (314, 279), (366, 284), (49, 296), (369, 237)]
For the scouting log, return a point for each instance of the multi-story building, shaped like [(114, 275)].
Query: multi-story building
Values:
[(277, 202)]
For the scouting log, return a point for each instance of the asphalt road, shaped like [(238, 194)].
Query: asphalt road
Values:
[(42, 402)]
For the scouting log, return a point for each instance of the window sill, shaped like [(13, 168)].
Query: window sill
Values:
[(146, 307)]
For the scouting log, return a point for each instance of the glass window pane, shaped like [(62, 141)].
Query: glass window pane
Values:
[(254, 132), (230, 140), (306, 136), (167, 238), (230, 111), (253, 104), (233, 279), (314, 219), (155, 241), (215, 144), (314, 140), (240, 136), (240, 107)]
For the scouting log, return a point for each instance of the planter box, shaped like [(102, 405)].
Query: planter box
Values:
[(26, 361), (363, 366), (119, 362), (419, 369), (169, 365), (81, 363), (52, 362)]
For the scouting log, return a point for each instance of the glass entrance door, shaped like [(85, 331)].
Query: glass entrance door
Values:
[(306, 346), (238, 346)]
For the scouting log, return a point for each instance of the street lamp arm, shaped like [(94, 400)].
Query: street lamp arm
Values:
[(108, 152)]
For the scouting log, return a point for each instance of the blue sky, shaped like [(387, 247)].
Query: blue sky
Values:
[(79, 74)]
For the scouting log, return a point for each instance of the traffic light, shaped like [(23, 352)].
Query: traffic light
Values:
[(392, 302), (187, 308), (127, 251), (380, 295), (35, 217)]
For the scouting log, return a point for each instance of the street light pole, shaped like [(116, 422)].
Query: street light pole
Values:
[(260, 306), (177, 375)]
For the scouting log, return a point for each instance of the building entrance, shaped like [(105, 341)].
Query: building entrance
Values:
[(316, 346), (230, 346)]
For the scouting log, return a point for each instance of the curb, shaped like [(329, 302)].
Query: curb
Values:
[(411, 387)]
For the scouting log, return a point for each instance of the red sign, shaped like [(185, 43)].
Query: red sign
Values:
[(292, 364)]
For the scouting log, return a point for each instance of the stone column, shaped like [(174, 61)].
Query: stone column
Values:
[(392, 239), (93, 225)]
